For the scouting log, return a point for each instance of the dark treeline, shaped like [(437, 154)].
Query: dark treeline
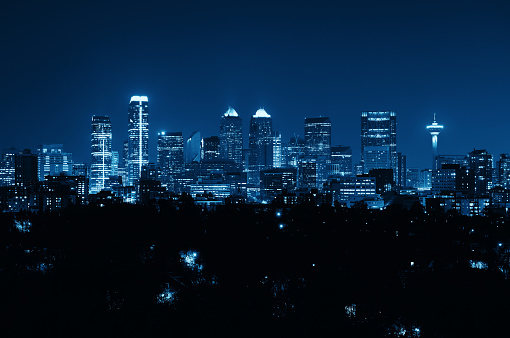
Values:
[(258, 271)]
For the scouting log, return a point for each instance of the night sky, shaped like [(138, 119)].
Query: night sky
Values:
[(63, 62)]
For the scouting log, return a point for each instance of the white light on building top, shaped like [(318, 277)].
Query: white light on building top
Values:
[(261, 113), (231, 112), (139, 99)]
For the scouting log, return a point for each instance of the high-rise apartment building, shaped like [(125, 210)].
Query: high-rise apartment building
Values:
[(379, 129), (318, 137), (101, 152), (138, 137), (261, 141), (231, 137)]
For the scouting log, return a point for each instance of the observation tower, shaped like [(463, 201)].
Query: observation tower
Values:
[(434, 130)]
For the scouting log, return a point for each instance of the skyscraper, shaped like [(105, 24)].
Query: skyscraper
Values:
[(277, 150), (193, 151), (503, 170), (376, 157), (101, 152), (138, 137), (53, 160), (210, 148), (293, 152), (25, 169), (318, 137), (342, 155), (261, 141), (231, 137), (480, 165), (379, 128), (170, 156), (7, 167)]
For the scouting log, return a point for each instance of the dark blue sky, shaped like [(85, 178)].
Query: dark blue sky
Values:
[(63, 62)]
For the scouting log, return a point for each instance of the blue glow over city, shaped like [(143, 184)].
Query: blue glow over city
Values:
[(261, 169)]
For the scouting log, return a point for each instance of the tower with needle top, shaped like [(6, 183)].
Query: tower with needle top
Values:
[(434, 130)]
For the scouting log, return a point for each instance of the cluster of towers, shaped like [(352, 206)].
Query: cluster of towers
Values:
[(219, 166), (265, 149), (104, 162)]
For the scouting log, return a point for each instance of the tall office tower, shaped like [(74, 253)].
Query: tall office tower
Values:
[(170, 156), (318, 137), (376, 157), (25, 169), (503, 170), (261, 141), (307, 174), (193, 151), (7, 167), (231, 137), (211, 148), (434, 130), (401, 170), (125, 153), (138, 137), (293, 152), (101, 152), (342, 155), (115, 163), (480, 164), (277, 150), (379, 128), (53, 160)]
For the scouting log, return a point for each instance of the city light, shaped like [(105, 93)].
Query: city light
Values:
[(190, 260)]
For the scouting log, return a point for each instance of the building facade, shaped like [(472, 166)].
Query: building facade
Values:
[(7, 167), (101, 153), (210, 148), (261, 141), (170, 160), (318, 137), (231, 137), (53, 160), (138, 137), (193, 150), (480, 165), (379, 129), (342, 156)]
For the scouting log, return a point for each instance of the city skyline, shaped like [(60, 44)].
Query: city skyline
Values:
[(294, 61)]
